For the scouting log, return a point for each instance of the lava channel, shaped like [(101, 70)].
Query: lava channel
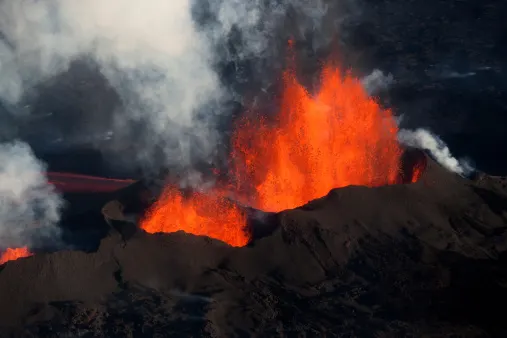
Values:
[(77, 183), (11, 254)]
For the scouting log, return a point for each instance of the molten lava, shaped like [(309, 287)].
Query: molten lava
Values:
[(418, 170), (13, 254), (338, 137), (210, 215)]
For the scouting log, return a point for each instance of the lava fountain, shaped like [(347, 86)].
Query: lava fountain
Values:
[(13, 254), (208, 214), (338, 137)]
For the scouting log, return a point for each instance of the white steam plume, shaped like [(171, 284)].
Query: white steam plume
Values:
[(150, 52), (423, 139), (153, 53), (419, 138), (29, 205)]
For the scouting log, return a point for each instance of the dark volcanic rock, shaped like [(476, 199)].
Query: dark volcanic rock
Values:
[(405, 260)]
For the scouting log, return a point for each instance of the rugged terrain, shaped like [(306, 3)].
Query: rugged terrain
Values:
[(423, 259)]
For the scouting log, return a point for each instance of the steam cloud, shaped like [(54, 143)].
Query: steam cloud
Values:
[(160, 56), (423, 139), (149, 52), (29, 206)]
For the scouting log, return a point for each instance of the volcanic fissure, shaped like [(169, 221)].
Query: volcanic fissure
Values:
[(338, 137)]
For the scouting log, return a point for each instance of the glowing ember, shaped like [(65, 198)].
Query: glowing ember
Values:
[(13, 254), (336, 138), (210, 215)]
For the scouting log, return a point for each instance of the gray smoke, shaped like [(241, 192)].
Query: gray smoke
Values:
[(29, 206), (377, 81)]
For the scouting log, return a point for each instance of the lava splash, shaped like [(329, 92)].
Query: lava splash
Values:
[(338, 137), (13, 254), (210, 214)]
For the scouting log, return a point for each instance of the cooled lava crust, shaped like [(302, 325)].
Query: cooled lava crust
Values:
[(410, 260)]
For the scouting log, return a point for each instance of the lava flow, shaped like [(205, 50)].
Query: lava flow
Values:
[(417, 171), (13, 254), (210, 215), (77, 183), (338, 137)]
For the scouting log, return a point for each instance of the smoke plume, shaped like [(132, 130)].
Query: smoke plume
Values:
[(423, 139), (29, 206), (150, 53), (160, 56)]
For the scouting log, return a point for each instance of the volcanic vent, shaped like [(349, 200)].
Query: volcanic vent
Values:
[(338, 137)]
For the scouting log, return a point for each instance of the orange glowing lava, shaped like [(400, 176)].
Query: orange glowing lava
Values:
[(210, 215), (337, 137), (13, 254)]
